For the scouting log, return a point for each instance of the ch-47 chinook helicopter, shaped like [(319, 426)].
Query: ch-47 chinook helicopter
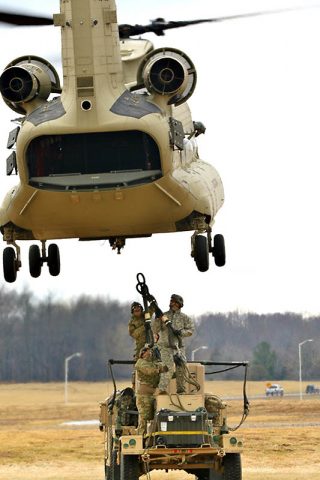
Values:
[(113, 154)]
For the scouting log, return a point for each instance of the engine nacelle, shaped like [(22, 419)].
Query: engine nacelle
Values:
[(169, 72), (28, 81), (22, 84)]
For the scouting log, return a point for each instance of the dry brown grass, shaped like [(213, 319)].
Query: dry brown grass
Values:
[(282, 435)]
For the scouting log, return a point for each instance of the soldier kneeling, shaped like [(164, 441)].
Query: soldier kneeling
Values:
[(148, 373)]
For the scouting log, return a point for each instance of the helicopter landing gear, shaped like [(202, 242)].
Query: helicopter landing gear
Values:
[(219, 250), (53, 260), (201, 252), (37, 259), (202, 245), (11, 263)]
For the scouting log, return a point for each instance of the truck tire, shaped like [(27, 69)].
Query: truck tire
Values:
[(232, 467), (129, 467)]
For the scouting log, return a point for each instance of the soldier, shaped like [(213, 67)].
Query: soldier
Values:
[(137, 328), (148, 373), (172, 327)]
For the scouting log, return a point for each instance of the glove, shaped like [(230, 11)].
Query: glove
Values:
[(163, 369), (177, 332)]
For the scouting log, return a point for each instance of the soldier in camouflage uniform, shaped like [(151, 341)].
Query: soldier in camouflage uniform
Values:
[(148, 373), (170, 341), (137, 328)]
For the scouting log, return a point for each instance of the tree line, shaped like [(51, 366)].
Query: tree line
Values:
[(37, 335)]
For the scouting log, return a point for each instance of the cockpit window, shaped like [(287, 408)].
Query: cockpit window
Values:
[(102, 159)]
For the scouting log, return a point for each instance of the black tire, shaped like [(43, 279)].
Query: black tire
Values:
[(35, 261), (129, 468), (232, 467), (201, 252), (219, 250), (54, 260), (114, 469), (9, 265)]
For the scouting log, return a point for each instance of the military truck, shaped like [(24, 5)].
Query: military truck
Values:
[(189, 432), (312, 389)]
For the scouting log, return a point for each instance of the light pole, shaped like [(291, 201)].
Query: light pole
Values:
[(203, 347), (66, 372), (300, 373)]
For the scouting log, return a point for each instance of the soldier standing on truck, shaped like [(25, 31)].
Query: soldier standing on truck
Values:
[(172, 327), (148, 374), (137, 328)]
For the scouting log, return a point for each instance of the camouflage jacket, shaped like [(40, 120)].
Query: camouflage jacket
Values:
[(148, 371), (137, 331), (180, 321)]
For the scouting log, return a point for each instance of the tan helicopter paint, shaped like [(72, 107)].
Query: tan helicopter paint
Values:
[(92, 72)]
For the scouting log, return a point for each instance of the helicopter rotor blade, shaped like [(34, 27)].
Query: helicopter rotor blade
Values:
[(24, 20), (157, 26), (262, 13)]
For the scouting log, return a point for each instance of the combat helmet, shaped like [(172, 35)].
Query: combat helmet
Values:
[(177, 298), (134, 305)]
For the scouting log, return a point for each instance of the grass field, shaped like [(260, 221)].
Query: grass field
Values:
[(282, 435)]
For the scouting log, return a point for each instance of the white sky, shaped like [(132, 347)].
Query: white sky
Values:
[(258, 94)]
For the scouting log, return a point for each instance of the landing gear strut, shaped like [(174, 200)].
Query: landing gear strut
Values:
[(37, 257), (202, 245)]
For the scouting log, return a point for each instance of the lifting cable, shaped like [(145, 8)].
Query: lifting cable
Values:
[(246, 403)]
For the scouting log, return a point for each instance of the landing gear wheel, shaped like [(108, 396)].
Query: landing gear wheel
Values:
[(9, 265), (129, 467), (219, 251), (232, 467), (54, 260), (35, 261), (201, 252)]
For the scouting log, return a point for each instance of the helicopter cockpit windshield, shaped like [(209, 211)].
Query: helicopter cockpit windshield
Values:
[(93, 160)]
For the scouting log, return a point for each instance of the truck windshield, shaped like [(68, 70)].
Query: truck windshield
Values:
[(90, 160)]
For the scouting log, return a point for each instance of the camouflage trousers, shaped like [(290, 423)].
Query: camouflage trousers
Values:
[(145, 406), (167, 359)]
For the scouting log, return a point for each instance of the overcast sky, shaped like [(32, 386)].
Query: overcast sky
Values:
[(258, 94)]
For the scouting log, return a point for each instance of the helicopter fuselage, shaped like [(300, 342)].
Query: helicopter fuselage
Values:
[(115, 154)]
